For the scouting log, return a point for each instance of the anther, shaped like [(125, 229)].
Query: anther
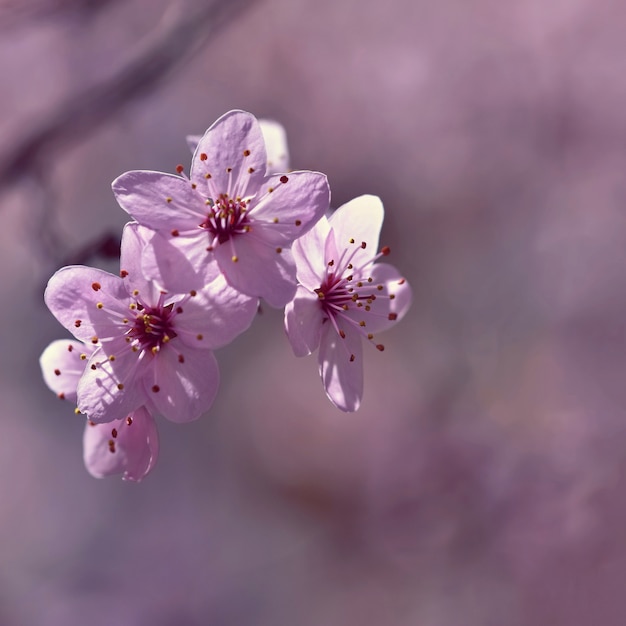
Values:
[(279, 250), (250, 170), (342, 334), (370, 336), (61, 396), (362, 323), (111, 446), (181, 358), (229, 170), (70, 347), (363, 245), (351, 240), (298, 222), (96, 286), (392, 296), (120, 386), (156, 388), (270, 189), (179, 309), (94, 339), (352, 357), (135, 292), (234, 258), (91, 423), (77, 411), (386, 251), (380, 347), (175, 232), (246, 153), (193, 293), (123, 273), (203, 156), (83, 357), (331, 262), (168, 199), (275, 220), (401, 281), (199, 336), (112, 357), (114, 433), (93, 366), (100, 305), (57, 372), (179, 169), (207, 176), (129, 420), (283, 179), (392, 316)]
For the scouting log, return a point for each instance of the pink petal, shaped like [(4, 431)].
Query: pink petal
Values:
[(135, 238), (361, 220), (100, 397), (303, 322), (297, 202), (384, 312), (179, 264), (219, 313), (182, 392), (62, 366), (275, 145), (73, 294), (341, 377), (260, 270), (308, 252), (134, 450), (159, 201), (230, 157)]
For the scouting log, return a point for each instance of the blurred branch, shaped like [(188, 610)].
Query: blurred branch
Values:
[(82, 113)]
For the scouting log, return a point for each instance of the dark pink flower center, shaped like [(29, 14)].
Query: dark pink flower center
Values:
[(153, 326), (226, 217)]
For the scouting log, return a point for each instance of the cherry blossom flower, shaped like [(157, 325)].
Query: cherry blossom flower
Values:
[(344, 296), (275, 138), (152, 349), (227, 212), (128, 446)]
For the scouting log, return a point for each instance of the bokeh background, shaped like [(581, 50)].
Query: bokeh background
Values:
[(482, 481)]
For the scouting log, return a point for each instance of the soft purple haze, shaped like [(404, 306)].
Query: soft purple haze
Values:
[(481, 482)]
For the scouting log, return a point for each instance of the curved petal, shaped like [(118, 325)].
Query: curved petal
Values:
[(260, 270), (182, 392), (135, 238), (230, 157), (392, 299), (360, 220), (159, 201), (218, 312), (308, 253), (303, 322), (106, 394), (179, 264), (295, 204), (342, 375), (74, 294), (62, 367), (128, 446), (275, 145)]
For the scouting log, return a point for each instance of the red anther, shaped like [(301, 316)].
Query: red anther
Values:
[(342, 334), (114, 433), (181, 358), (284, 179), (180, 169), (156, 388), (298, 222), (129, 420), (179, 309), (203, 156), (175, 232), (96, 286), (70, 347), (57, 372), (363, 245), (61, 396), (380, 347), (246, 153), (392, 316), (352, 357), (386, 251), (123, 273)]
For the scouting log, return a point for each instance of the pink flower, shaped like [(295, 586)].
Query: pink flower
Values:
[(152, 349), (128, 446), (276, 148), (228, 212), (344, 296)]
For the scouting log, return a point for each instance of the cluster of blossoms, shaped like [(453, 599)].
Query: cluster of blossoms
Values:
[(198, 256)]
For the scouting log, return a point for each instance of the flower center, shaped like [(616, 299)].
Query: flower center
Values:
[(153, 326), (226, 217)]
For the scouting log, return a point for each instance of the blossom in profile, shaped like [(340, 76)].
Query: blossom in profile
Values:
[(344, 296), (128, 446), (276, 147), (228, 213), (152, 349)]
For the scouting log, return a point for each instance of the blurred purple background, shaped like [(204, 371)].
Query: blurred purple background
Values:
[(482, 481)]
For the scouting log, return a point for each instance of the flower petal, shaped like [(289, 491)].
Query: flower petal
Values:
[(62, 367), (182, 392), (297, 201), (342, 375), (308, 253), (391, 302), (106, 394), (135, 238), (360, 220), (275, 145), (218, 312), (74, 295), (129, 446), (260, 270), (230, 157), (303, 322), (159, 201), (179, 264)]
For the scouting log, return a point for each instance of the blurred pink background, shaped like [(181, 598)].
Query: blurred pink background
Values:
[(482, 481)]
